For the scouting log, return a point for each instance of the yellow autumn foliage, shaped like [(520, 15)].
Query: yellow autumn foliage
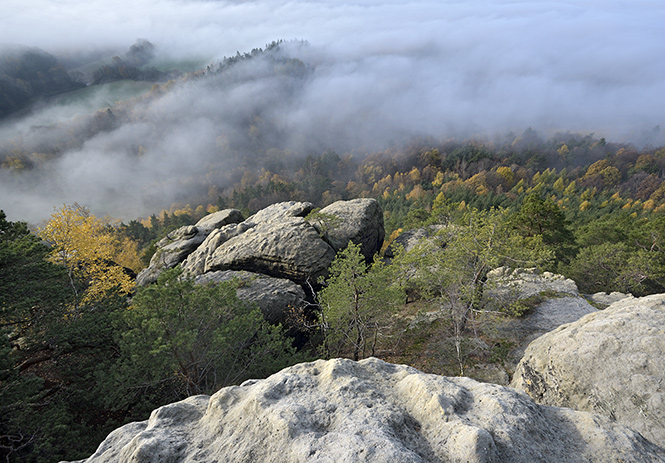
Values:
[(416, 193), (439, 179), (391, 238), (507, 174), (87, 247)]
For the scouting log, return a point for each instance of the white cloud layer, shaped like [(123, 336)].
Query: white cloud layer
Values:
[(381, 67)]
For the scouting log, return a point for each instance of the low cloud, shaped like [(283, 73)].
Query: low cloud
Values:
[(379, 71)]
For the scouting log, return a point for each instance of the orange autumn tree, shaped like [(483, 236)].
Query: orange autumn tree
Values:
[(88, 248)]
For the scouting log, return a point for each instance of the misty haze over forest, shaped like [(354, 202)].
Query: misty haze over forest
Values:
[(353, 76)]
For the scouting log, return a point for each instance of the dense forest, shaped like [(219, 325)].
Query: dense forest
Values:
[(83, 351)]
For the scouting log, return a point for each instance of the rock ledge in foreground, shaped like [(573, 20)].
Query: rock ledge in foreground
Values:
[(340, 410), (611, 362)]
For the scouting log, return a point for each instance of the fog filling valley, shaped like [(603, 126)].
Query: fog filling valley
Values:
[(370, 74)]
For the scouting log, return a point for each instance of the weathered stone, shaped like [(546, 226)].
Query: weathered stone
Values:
[(275, 296), (604, 300), (195, 263), (610, 362), (554, 312), (177, 245), (521, 283), (171, 250), (285, 248), (218, 219), (280, 211), (371, 411), (358, 220)]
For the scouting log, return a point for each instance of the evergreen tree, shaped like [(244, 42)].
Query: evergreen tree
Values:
[(180, 339), (351, 302)]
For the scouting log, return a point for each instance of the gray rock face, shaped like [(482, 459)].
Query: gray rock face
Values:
[(196, 262), (280, 211), (171, 250), (202, 260), (521, 283), (370, 411), (555, 312), (360, 221), (558, 302), (563, 303), (275, 296), (177, 245), (605, 300), (219, 219), (611, 362), (288, 248)]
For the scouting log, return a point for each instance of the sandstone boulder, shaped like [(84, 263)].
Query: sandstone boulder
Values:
[(554, 300), (611, 362), (199, 261), (177, 245), (521, 283), (370, 411), (275, 296), (286, 248), (357, 220), (218, 219), (604, 300), (195, 263), (280, 211), (554, 312)]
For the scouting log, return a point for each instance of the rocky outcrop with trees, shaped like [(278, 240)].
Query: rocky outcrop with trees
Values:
[(340, 410), (180, 243), (282, 246), (610, 362)]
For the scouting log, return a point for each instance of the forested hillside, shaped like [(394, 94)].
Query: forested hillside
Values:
[(599, 204)]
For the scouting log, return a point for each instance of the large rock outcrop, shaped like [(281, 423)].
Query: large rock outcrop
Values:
[(560, 301), (276, 241), (274, 296), (554, 301), (177, 245), (279, 211), (358, 220), (339, 410), (611, 362), (521, 283), (197, 262), (287, 248)]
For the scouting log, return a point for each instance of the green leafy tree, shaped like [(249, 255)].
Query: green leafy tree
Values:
[(451, 268), (542, 217), (354, 297), (619, 253), (180, 339)]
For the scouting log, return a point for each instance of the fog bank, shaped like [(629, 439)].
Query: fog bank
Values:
[(378, 71)]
